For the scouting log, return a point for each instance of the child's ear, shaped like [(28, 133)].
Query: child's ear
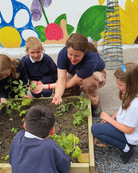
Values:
[(26, 51), (52, 131), (24, 125)]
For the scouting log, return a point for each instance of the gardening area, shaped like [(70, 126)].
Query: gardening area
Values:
[(73, 122)]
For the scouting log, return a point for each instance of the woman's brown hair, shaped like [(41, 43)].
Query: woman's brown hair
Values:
[(79, 42), (6, 64), (131, 80)]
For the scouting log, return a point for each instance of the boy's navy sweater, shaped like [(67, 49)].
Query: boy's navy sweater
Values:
[(21, 75), (44, 70), (32, 155)]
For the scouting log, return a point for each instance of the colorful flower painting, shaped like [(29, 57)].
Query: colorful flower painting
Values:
[(13, 33), (129, 22), (55, 32)]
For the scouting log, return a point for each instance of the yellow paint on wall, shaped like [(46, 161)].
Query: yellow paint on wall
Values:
[(129, 24), (10, 37), (101, 2)]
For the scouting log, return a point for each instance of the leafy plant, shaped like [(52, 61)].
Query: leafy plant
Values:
[(14, 130), (68, 143), (64, 107), (17, 87), (82, 111), (20, 90), (33, 85)]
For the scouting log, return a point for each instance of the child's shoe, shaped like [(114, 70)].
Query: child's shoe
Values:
[(126, 156)]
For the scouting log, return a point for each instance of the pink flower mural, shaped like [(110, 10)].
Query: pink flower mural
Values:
[(56, 32)]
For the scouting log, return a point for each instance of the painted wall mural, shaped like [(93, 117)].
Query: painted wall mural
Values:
[(53, 21)]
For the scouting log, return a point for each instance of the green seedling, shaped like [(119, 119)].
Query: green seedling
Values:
[(20, 90), (64, 107), (14, 130), (82, 111), (68, 143), (33, 85), (7, 157)]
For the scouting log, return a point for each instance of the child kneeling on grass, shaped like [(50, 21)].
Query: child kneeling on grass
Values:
[(32, 151)]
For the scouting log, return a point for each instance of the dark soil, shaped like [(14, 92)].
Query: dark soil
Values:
[(62, 124)]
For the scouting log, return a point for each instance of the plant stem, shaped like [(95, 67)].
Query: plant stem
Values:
[(44, 13)]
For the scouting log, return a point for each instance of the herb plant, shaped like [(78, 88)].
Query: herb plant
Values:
[(68, 143), (64, 107), (33, 85), (14, 130), (20, 91), (82, 111)]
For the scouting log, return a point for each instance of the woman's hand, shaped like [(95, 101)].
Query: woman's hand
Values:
[(105, 117), (56, 100)]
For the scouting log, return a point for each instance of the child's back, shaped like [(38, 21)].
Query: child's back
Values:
[(31, 153)]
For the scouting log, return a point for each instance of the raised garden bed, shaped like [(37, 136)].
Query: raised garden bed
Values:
[(83, 131)]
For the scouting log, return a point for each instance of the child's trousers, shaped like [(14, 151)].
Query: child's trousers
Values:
[(109, 134)]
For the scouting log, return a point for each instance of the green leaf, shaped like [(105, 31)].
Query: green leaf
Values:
[(15, 82), (77, 152), (21, 82), (21, 93), (7, 86), (15, 89), (22, 112), (7, 157), (76, 140), (59, 18), (16, 96), (69, 27), (94, 20), (26, 102), (41, 31)]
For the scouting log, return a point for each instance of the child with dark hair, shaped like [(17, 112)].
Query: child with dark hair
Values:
[(32, 151)]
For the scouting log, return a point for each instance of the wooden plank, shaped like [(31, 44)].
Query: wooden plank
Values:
[(5, 168), (79, 168), (91, 144), (75, 167)]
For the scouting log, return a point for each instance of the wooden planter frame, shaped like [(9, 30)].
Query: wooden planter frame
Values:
[(75, 167)]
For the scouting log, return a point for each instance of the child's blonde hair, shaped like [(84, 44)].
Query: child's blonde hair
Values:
[(7, 63), (33, 42), (131, 80)]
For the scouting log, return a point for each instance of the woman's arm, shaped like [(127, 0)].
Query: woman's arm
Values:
[(60, 87), (123, 128), (73, 81)]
